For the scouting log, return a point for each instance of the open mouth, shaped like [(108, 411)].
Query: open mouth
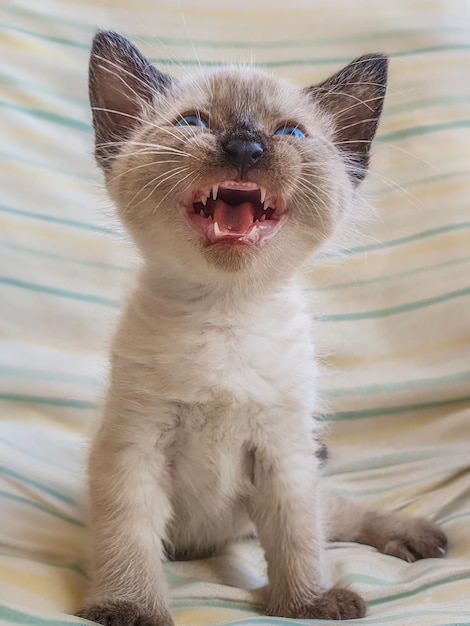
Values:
[(234, 212)]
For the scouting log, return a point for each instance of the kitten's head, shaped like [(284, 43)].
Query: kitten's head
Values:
[(230, 173)]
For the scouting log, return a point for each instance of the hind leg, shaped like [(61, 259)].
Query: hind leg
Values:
[(408, 538)]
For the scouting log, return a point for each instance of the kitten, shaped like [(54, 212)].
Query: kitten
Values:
[(227, 181)]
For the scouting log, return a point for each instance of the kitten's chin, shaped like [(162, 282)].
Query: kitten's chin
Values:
[(233, 219), (230, 256)]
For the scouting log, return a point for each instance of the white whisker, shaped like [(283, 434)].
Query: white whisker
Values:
[(169, 192), (168, 174)]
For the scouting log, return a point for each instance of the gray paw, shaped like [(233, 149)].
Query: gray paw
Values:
[(122, 613), (418, 539), (408, 538), (336, 603)]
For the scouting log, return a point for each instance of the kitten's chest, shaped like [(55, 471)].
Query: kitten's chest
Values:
[(252, 361)]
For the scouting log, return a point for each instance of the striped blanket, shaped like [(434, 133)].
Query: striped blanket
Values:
[(395, 309)]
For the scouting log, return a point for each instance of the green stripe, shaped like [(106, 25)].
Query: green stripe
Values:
[(384, 279), (413, 131), (61, 257), (188, 604), (34, 483), (215, 44), (425, 587), (249, 45), (18, 617), (393, 410), (41, 165), (432, 232), (64, 402), (47, 116), (60, 220), (28, 86), (72, 567), (439, 566), (339, 60), (395, 310), (391, 459), (49, 38), (423, 383), (427, 179), (62, 293), (230, 43), (426, 103), (399, 487), (32, 455), (30, 372), (451, 518), (210, 601), (41, 507)]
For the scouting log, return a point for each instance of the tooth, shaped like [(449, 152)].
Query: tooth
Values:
[(265, 205), (204, 200), (252, 233), (217, 231), (263, 194), (201, 213), (262, 218), (215, 191)]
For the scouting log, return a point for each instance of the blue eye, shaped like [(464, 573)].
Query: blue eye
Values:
[(293, 131), (191, 120)]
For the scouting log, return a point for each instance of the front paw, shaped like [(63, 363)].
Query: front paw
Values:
[(416, 538), (336, 603), (123, 613)]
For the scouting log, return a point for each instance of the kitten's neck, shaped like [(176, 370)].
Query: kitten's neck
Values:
[(181, 294)]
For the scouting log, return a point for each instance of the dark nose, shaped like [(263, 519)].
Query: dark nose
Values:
[(243, 153)]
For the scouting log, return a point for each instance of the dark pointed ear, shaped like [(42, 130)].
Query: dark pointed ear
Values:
[(123, 85), (354, 98)]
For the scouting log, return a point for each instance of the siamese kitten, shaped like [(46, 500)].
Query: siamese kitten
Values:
[(228, 181)]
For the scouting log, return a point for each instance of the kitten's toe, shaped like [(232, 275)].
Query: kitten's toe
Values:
[(336, 603), (408, 538), (122, 613), (418, 539)]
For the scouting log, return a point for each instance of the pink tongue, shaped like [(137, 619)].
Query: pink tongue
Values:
[(234, 219)]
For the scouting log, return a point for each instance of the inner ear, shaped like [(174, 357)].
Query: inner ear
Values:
[(123, 87), (354, 98)]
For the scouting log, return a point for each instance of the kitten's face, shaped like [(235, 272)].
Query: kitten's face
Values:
[(231, 171)]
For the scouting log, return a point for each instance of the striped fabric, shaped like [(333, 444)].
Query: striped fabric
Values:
[(395, 307)]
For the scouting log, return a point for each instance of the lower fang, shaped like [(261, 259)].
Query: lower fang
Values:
[(201, 213), (217, 231), (262, 218)]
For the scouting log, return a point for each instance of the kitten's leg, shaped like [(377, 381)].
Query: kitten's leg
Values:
[(286, 510), (129, 512), (408, 538)]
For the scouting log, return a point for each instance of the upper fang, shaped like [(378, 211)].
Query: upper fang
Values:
[(215, 191), (204, 200), (263, 194)]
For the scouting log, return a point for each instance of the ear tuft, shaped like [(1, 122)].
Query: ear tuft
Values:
[(122, 86), (354, 98)]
